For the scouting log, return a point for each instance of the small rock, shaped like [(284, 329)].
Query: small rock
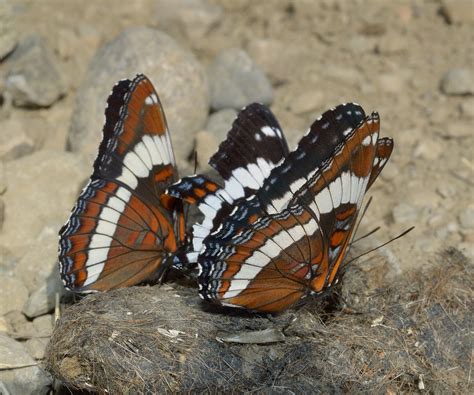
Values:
[(457, 82), (33, 79), (19, 324), (37, 347), (391, 83), (28, 378), (176, 74), (39, 261), (276, 57), (43, 300), (220, 123), (14, 143), (206, 146), (428, 149), (457, 11), (8, 31), (307, 101), (358, 44), (403, 213), (467, 249), (235, 80), (43, 325), (446, 190), (193, 18), (13, 294), (391, 44), (466, 217), (347, 75), (4, 326), (467, 108), (34, 177), (457, 129), (447, 231)]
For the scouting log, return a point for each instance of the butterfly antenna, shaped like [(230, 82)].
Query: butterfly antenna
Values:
[(382, 245), (366, 235)]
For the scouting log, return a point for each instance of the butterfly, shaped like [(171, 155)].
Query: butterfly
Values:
[(280, 226), (123, 230)]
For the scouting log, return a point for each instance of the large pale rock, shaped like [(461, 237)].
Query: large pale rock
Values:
[(21, 374), (42, 189), (176, 74)]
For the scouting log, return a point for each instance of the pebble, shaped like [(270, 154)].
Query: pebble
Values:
[(8, 31), (43, 300), (391, 83), (446, 190), (40, 260), (4, 326), (342, 75), (307, 101), (276, 57), (14, 142), (33, 78), (235, 81), (19, 324), (178, 77), (13, 294), (466, 217), (358, 44), (220, 123), (191, 18), (448, 230), (43, 325), (428, 149), (390, 44), (206, 146), (467, 249), (28, 378), (458, 81), (208, 140), (34, 178), (457, 129), (467, 108), (37, 347), (457, 11), (404, 213)]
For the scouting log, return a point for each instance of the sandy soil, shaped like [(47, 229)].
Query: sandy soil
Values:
[(387, 56)]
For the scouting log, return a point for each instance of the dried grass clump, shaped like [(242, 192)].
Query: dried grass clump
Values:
[(401, 337)]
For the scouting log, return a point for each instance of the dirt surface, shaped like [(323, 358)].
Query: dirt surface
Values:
[(388, 56)]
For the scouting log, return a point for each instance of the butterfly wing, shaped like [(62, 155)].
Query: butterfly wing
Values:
[(289, 238), (122, 228), (253, 147)]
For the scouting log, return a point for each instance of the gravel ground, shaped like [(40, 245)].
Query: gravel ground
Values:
[(410, 61)]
